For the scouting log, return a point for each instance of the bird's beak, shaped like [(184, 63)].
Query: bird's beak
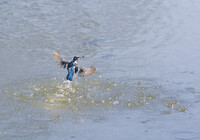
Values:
[(80, 57)]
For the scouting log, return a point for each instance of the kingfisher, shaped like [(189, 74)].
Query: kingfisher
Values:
[(72, 66)]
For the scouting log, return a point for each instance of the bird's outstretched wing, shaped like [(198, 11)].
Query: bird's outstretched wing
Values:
[(59, 60), (85, 71)]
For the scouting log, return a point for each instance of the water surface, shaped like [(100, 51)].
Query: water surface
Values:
[(147, 59)]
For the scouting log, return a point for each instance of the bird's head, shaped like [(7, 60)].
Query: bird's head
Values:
[(76, 58)]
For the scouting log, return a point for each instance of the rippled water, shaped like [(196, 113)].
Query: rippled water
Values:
[(147, 59)]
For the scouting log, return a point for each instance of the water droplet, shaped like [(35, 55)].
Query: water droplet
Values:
[(182, 109), (115, 102)]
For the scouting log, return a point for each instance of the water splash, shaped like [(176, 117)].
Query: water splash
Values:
[(90, 94)]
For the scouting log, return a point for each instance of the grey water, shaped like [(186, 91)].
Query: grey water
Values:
[(146, 86)]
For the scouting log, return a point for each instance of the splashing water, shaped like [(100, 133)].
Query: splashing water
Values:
[(88, 94)]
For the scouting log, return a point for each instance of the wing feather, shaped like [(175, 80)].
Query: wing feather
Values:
[(59, 60), (86, 71)]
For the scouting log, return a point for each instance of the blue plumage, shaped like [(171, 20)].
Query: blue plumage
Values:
[(70, 74)]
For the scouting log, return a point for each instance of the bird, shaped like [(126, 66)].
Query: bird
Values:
[(72, 66)]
